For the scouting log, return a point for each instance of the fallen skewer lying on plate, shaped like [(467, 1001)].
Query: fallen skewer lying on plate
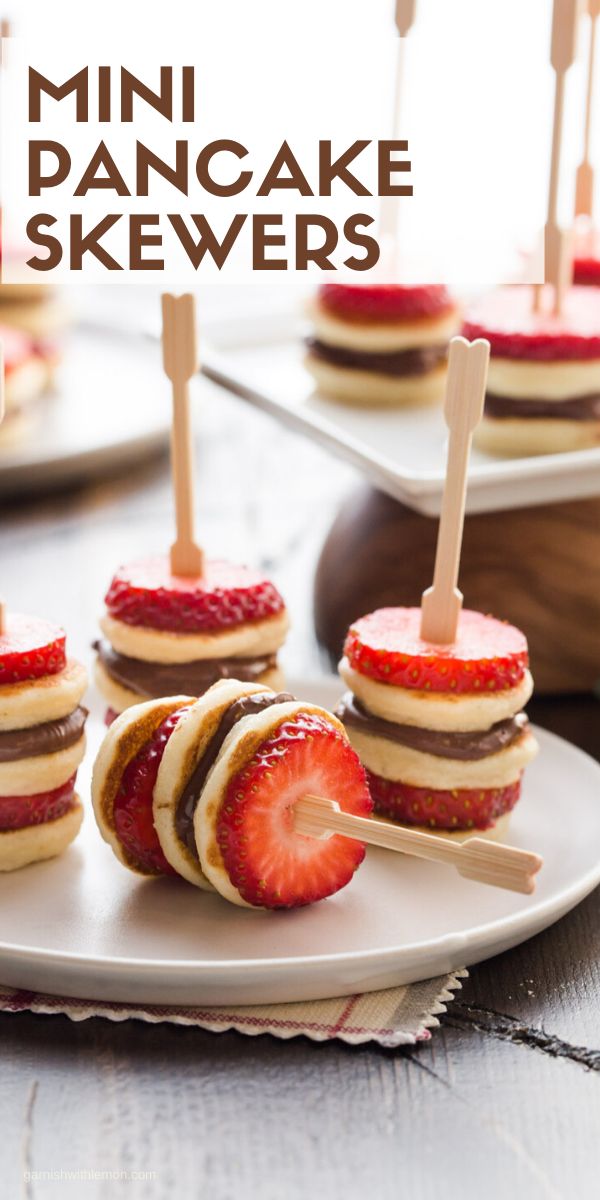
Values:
[(260, 797)]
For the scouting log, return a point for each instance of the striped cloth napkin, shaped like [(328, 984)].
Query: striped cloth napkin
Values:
[(399, 1016)]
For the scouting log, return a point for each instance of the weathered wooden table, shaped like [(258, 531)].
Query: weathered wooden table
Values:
[(504, 1101)]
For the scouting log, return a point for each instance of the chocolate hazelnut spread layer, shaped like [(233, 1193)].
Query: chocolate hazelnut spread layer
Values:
[(580, 408), (468, 747), (42, 739), (245, 706), (416, 361), (153, 680)]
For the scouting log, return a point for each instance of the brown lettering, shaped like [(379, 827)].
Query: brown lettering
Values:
[(296, 178), (35, 235), (104, 107), (138, 239), (77, 83), (318, 254), (261, 239), (207, 242), (222, 145), (338, 169), (37, 181), (146, 159), (161, 101), (387, 166), (113, 179), (361, 239), (187, 94), (90, 242)]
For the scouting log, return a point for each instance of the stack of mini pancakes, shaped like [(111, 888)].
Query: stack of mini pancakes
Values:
[(381, 344), (164, 635), (42, 741)]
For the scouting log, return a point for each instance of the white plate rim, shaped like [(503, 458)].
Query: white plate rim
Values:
[(424, 487), (193, 970)]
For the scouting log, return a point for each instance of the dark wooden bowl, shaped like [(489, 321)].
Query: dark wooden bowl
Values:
[(536, 567)]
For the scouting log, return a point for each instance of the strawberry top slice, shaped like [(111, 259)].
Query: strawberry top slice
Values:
[(30, 648), (146, 593), (506, 318), (586, 271), (586, 264), (488, 655), (385, 301)]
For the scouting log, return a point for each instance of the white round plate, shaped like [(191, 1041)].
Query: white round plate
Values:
[(111, 407), (84, 926)]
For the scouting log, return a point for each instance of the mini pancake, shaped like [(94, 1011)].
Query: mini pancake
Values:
[(119, 698), (237, 750), (555, 380), (393, 761), (523, 437), (163, 646), (36, 701), (42, 773), (185, 748), (352, 385), (35, 843), (126, 737), (436, 710), (382, 336)]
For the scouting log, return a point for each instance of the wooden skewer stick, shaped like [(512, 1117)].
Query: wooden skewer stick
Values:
[(476, 858), (404, 17), (584, 183), (562, 55), (463, 408), (180, 359), (4, 33)]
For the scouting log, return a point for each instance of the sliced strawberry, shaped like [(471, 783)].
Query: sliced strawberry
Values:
[(487, 656), (30, 648), (132, 811), (586, 265), (463, 808), (110, 715), (18, 348), (586, 271), (17, 812), (146, 593), (507, 319), (385, 301), (267, 861)]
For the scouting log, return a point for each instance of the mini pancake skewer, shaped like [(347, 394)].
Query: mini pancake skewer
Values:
[(404, 15), (219, 791), (436, 693), (175, 624), (42, 740), (584, 179), (557, 241), (586, 264)]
